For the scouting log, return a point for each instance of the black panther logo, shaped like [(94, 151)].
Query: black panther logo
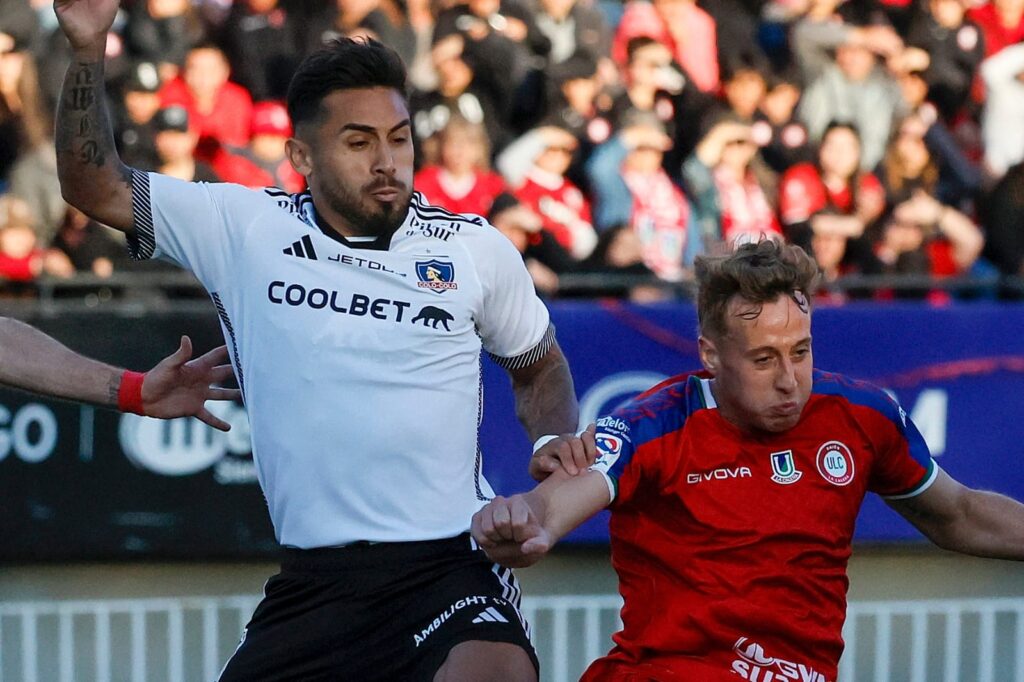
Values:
[(432, 317)]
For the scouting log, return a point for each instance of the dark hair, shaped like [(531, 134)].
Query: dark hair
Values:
[(342, 64), (756, 272), (638, 43)]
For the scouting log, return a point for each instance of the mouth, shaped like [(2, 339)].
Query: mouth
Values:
[(787, 409), (387, 193)]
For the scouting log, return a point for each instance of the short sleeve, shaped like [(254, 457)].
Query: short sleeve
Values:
[(616, 456), (514, 324), (191, 224), (903, 465)]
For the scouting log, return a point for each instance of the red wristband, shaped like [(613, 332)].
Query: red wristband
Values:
[(129, 394)]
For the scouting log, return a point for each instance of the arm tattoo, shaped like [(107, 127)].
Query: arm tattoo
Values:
[(113, 388), (83, 124)]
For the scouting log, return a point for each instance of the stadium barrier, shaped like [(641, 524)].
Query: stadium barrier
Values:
[(186, 639)]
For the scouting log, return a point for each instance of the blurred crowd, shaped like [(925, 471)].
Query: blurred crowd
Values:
[(602, 137)]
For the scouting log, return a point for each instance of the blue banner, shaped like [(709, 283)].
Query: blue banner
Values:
[(958, 370)]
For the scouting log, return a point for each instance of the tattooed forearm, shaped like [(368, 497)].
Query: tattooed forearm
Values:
[(92, 176), (83, 128)]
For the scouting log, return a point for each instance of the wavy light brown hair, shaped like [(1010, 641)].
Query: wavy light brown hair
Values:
[(758, 273)]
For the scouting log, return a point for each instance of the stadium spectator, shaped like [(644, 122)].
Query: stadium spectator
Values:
[(219, 111), (263, 162), (783, 139), (163, 32), (632, 188), (262, 39), (922, 236), (544, 257), (534, 166), (384, 20), (955, 47), (743, 89), (89, 247), (1003, 216), (728, 187), (459, 91), (908, 166), (462, 181), (802, 447), (687, 30), (134, 129), (651, 80), (422, 76), (572, 27), (504, 39), (21, 257), (821, 31), (856, 90), (1001, 23), (832, 197), (1002, 121), (176, 145)]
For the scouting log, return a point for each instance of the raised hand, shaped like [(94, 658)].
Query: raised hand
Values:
[(180, 387), (86, 22), (508, 530), (569, 452)]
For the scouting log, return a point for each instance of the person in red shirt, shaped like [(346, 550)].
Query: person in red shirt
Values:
[(1001, 23), (263, 162), (219, 111), (832, 201), (462, 180), (734, 492)]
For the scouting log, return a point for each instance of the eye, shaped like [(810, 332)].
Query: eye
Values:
[(803, 352), (358, 144), (763, 360), (400, 139)]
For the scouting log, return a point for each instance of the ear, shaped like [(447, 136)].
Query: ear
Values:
[(300, 156), (708, 354)]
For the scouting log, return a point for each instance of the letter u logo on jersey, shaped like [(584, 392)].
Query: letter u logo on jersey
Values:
[(784, 469)]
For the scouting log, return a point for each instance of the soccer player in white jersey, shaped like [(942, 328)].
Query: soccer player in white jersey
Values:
[(355, 314)]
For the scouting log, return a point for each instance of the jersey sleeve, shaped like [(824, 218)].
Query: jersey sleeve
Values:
[(903, 465), (513, 322), (191, 224)]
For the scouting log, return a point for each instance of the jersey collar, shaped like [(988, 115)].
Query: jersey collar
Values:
[(311, 217)]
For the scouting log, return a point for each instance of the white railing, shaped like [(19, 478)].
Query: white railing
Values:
[(186, 639)]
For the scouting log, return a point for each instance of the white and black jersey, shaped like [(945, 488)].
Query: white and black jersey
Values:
[(360, 367)]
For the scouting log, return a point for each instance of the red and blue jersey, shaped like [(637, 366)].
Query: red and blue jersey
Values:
[(731, 548)]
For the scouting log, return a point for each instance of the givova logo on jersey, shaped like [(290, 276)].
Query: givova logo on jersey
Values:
[(752, 663)]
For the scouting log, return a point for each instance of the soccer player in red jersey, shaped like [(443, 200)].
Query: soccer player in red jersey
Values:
[(733, 492)]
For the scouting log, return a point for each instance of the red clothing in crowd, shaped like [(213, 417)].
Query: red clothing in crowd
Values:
[(746, 213), (440, 190), (564, 210), (996, 35), (731, 550), (241, 168), (660, 216), (20, 269), (698, 54), (228, 122), (803, 193)]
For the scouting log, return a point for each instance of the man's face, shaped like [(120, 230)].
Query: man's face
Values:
[(175, 146), (744, 92), (762, 365), (206, 71), (358, 158), (856, 62)]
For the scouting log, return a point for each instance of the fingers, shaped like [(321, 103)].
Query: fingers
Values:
[(221, 373), (207, 417), (504, 520), (589, 440), (217, 356), (217, 393)]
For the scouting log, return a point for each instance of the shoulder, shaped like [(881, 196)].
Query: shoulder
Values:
[(660, 410), (858, 393), (468, 230), (801, 172)]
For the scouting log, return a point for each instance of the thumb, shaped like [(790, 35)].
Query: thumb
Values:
[(536, 545), (184, 352)]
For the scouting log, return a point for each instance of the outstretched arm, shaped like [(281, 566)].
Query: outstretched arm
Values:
[(92, 175), (176, 387), (518, 531), (962, 519)]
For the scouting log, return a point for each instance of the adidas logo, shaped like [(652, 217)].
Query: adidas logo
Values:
[(302, 249), (490, 615)]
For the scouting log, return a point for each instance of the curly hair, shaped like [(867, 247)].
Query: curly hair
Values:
[(756, 272)]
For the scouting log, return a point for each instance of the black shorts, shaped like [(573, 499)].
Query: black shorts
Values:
[(386, 611)]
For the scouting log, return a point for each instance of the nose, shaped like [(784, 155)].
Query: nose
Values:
[(785, 379), (385, 161)]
